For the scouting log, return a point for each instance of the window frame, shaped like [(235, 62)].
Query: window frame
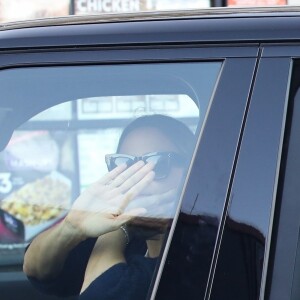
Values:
[(284, 238), (256, 175)]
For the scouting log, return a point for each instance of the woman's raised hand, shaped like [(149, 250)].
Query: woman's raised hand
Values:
[(100, 208)]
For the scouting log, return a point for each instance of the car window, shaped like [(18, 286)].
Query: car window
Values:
[(103, 151)]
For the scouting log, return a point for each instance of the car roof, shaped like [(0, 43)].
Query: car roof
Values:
[(219, 25)]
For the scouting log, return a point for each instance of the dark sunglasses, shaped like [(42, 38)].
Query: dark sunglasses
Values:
[(163, 161)]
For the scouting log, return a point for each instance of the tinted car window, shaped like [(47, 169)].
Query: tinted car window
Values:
[(65, 134)]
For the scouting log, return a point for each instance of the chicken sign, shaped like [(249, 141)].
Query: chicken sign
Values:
[(108, 6)]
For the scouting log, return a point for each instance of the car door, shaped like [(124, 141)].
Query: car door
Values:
[(60, 93), (258, 249), (281, 269)]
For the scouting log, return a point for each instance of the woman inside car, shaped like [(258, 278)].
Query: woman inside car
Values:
[(108, 244)]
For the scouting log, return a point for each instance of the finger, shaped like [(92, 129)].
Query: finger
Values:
[(136, 177), (122, 177), (92, 193), (136, 189), (140, 186), (112, 174)]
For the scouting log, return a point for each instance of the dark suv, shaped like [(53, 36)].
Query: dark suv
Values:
[(70, 85)]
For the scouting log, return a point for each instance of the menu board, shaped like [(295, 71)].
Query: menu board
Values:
[(35, 183)]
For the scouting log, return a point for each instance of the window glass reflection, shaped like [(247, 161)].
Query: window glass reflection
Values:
[(90, 186)]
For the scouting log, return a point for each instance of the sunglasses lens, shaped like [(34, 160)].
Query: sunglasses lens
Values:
[(162, 165)]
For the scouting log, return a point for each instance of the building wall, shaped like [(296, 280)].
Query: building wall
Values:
[(14, 10)]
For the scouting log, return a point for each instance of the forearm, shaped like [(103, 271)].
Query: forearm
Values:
[(47, 253), (108, 251)]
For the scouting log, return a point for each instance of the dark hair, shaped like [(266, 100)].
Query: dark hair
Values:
[(176, 131)]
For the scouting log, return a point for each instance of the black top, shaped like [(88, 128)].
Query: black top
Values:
[(123, 281)]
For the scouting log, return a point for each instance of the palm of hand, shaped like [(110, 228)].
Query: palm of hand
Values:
[(100, 208)]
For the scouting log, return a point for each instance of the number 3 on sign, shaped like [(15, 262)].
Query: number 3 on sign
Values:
[(5, 183)]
